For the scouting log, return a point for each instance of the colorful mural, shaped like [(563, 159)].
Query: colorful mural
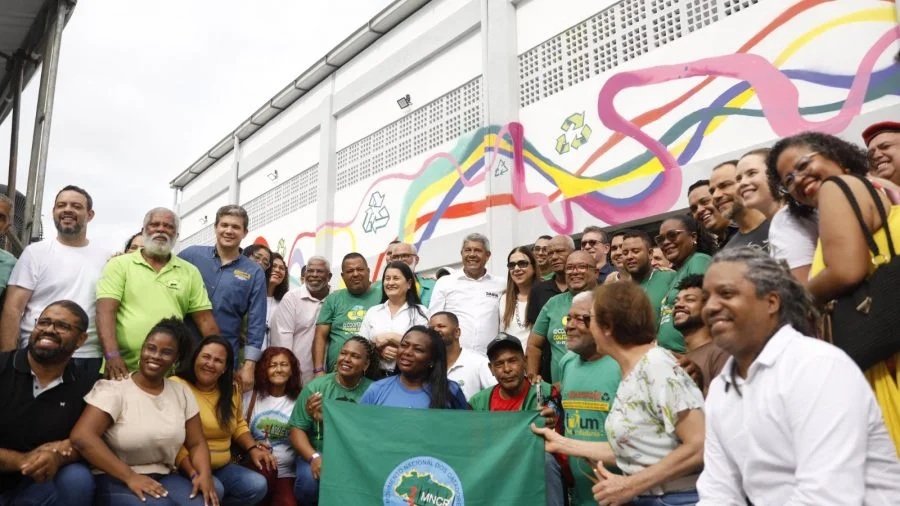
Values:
[(433, 191)]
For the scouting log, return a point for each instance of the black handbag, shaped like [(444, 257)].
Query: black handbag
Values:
[(865, 322)]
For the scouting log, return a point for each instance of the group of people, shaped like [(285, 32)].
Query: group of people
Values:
[(684, 368)]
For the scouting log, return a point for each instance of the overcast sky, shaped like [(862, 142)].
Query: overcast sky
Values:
[(145, 88)]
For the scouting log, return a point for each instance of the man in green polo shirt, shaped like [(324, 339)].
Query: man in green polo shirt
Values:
[(138, 289), (581, 276), (636, 247), (342, 312)]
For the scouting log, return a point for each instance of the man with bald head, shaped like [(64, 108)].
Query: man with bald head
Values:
[(407, 253), (550, 326), (558, 249)]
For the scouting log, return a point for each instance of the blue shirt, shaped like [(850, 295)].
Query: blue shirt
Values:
[(236, 289), (391, 392)]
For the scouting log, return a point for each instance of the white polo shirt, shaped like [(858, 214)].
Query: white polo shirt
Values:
[(475, 303), (472, 372), (805, 429)]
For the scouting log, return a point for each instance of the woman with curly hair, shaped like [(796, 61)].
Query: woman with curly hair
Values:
[(811, 167), (267, 409)]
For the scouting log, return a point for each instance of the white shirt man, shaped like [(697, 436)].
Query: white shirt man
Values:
[(472, 294), (791, 419), (65, 268), (293, 325), (470, 370)]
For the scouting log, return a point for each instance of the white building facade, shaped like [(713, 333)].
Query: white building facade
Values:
[(535, 117)]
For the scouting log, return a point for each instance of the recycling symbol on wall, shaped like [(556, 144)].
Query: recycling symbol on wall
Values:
[(377, 215), (575, 133)]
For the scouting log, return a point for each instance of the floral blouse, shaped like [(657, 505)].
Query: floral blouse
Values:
[(641, 423)]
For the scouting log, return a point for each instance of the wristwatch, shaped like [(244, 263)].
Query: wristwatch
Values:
[(315, 455), (317, 370)]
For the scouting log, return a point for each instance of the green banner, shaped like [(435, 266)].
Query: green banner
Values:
[(429, 457)]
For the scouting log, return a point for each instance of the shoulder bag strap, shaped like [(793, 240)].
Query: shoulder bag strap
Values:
[(881, 212), (856, 210)]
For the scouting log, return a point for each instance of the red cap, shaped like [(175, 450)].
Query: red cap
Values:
[(873, 130)]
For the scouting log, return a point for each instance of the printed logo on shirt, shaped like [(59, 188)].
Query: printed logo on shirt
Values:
[(493, 295), (423, 481), (586, 414), (173, 284), (241, 274), (354, 319), (559, 336)]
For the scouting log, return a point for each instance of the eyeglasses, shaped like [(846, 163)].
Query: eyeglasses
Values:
[(670, 236), (402, 257), (584, 319), (590, 243), (790, 180), (540, 249), (579, 267), (45, 323), (521, 264)]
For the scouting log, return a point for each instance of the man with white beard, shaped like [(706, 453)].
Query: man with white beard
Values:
[(138, 289), (65, 268), (294, 322)]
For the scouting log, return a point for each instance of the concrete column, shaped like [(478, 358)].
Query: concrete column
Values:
[(501, 103), (327, 176), (234, 187)]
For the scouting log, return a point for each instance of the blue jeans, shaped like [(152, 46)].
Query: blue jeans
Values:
[(670, 499), (73, 485), (112, 492), (237, 485), (553, 477), (306, 488)]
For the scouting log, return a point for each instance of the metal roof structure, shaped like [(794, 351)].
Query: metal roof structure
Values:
[(23, 30), (356, 43), (30, 37)]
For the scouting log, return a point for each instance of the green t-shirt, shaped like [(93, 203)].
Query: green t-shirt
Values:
[(588, 390), (657, 287), (425, 287), (668, 337), (345, 312), (551, 324), (7, 262), (331, 390), (146, 297)]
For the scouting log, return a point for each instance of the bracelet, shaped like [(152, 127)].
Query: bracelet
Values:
[(318, 370), (110, 354)]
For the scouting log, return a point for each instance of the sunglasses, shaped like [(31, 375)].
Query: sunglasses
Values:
[(521, 264), (590, 243), (670, 236)]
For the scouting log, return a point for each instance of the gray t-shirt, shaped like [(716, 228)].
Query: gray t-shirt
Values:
[(758, 238)]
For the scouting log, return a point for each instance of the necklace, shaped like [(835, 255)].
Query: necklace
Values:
[(341, 383), (518, 318)]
